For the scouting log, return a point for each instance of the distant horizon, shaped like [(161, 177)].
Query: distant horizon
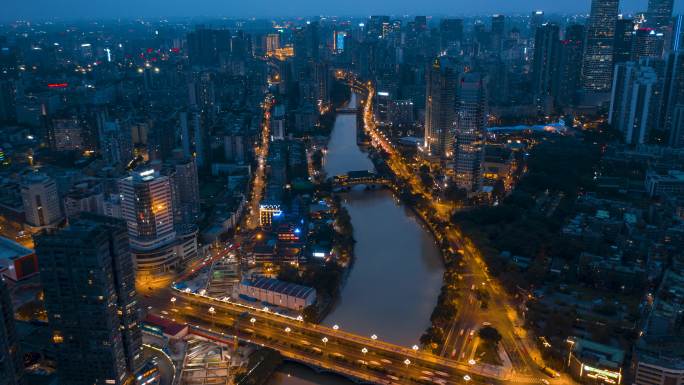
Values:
[(75, 10)]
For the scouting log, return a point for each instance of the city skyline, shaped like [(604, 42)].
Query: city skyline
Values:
[(128, 9)]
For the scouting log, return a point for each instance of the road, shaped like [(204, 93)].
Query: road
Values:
[(259, 180), (362, 357)]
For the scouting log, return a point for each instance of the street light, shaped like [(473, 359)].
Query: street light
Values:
[(252, 320), (364, 351), (300, 318), (471, 361), (173, 302), (467, 378), (415, 348), (374, 337), (212, 311), (336, 327), (325, 341), (407, 362), (287, 329)]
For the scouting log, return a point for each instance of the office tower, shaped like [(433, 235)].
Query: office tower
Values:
[(451, 32), (498, 31), (376, 25), (545, 66), (147, 207), (11, 360), (87, 275), (470, 130), (659, 15), (41, 201), (673, 89), (440, 96), (570, 64), (677, 127), (622, 48), (597, 66), (207, 46), (646, 43), (420, 23), (678, 34), (536, 20), (633, 101)]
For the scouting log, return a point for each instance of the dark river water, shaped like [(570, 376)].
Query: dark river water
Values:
[(394, 283)]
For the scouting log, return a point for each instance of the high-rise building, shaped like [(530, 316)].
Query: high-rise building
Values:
[(207, 46), (570, 64), (673, 89), (440, 103), (186, 183), (659, 15), (633, 100), (451, 32), (624, 33), (147, 207), (470, 130), (41, 201), (536, 20), (545, 66), (88, 278), (646, 43), (498, 31), (11, 360), (597, 66)]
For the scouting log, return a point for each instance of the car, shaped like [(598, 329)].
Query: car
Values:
[(486, 324), (544, 381)]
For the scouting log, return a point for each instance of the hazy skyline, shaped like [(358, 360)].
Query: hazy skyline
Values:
[(76, 9)]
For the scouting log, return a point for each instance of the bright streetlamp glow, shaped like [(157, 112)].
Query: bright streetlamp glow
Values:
[(335, 327), (374, 337), (287, 329), (466, 378), (252, 320), (300, 318), (364, 351), (407, 362), (325, 340), (415, 348)]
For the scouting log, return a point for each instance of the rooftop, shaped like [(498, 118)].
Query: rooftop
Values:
[(281, 287)]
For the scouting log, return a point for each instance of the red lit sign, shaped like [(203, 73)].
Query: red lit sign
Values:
[(58, 85)]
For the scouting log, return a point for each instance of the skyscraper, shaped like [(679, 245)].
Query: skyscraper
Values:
[(570, 66), (634, 100), (11, 361), (536, 19), (646, 43), (88, 278), (147, 207), (545, 66), (451, 32), (673, 94), (622, 48), (659, 15), (498, 31), (440, 105), (597, 66), (470, 130)]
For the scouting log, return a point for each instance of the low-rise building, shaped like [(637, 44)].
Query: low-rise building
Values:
[(278, 293), (16, 261)]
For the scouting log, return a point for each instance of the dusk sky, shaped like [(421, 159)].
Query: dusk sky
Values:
[(41, 9)]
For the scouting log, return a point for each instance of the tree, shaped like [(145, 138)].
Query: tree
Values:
[(490, 335)]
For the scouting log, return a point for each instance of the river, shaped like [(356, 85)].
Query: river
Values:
[(396, 277)]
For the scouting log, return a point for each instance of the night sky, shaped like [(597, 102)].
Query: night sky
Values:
[(76, 9)]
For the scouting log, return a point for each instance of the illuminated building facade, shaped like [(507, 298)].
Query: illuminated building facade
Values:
[(267, 212), (147, 207), (592, 363), (440, 102), (597, 67), (470, 131), (88, 278)]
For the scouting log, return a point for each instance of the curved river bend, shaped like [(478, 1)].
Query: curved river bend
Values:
[(396, 277)]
